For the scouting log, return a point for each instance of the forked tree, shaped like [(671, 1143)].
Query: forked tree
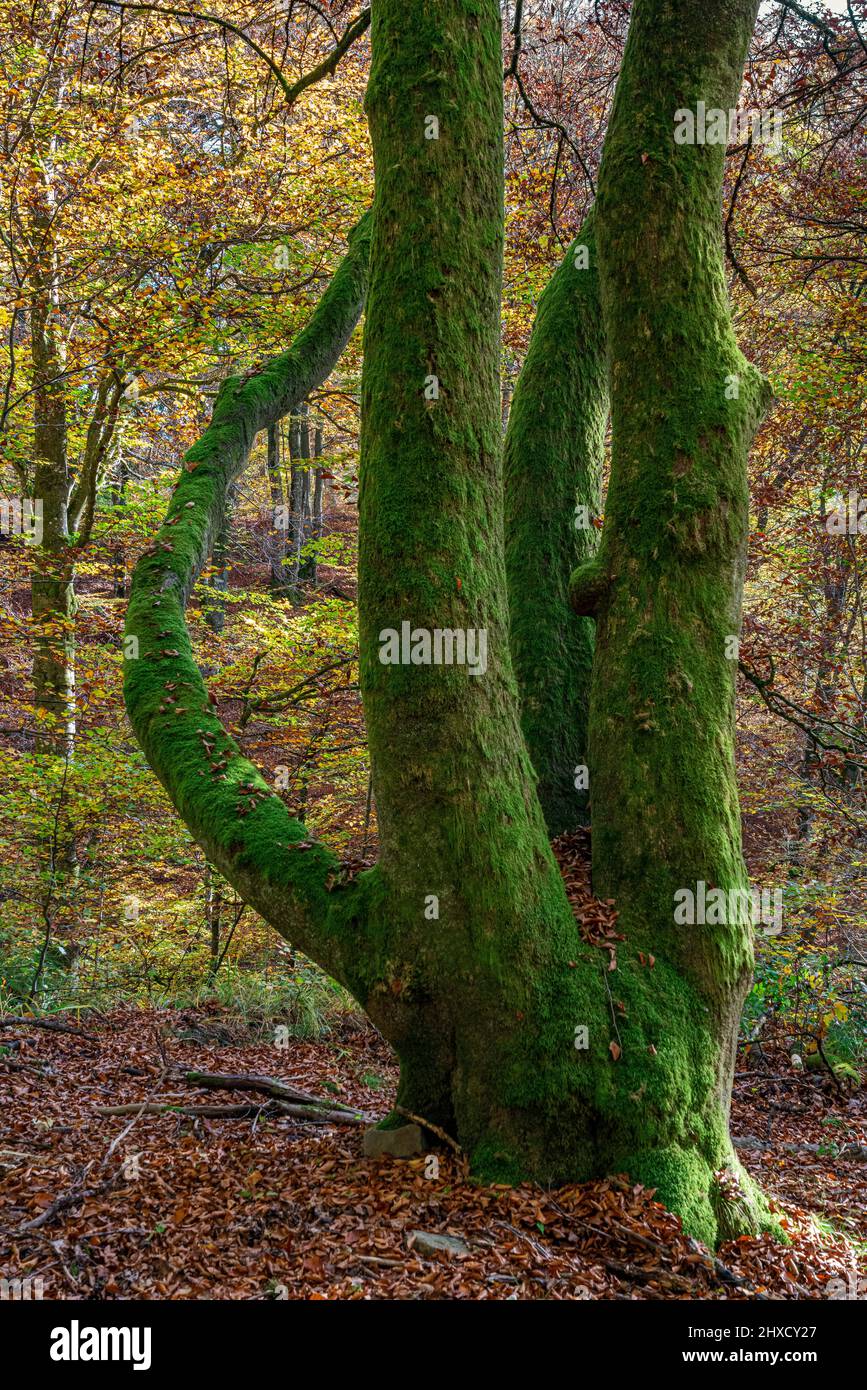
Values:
[(460, 944)]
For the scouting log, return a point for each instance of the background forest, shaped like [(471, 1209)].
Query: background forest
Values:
[(173, 199)]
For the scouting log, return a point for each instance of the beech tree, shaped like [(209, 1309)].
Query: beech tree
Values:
[(461, 944)]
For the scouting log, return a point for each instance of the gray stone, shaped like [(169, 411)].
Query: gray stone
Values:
[(429, 1243), (405, 1142)]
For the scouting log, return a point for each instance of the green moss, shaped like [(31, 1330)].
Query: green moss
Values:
[(492, 1161), (668, 579), (553, 465), (588, 584), (740, 1205), (683, 1180)]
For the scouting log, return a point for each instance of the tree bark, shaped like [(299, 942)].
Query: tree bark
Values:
[(299, 452), (476, 934), (118, 499), (213, 604), (666, 587), (553, 476), (277, 549), (309, 568), (52, 585)]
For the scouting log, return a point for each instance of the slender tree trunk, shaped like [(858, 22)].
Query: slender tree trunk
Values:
[(213, 918), (118, 499), (837, 573), (299, 452), (52, 585), (66, 512), (318, 503), (313, 511), (553, 474), (218, 583), (53, 609), (277, 535)]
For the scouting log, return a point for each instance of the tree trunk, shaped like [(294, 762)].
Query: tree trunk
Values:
[(553, 475), (299, 452), (837, 575), (118, 499), (52, 584), (313, 512), (53, 608), (666, 588), (213, 605), (237, 818), (213, 918), (277, 548), (478, 995)]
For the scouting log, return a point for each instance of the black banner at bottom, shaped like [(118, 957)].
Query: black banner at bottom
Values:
[(142, 1338)]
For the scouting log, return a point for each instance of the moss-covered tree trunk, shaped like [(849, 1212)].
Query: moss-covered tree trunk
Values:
[(231, 810), (553, 474), (666, 586), (477, 996)]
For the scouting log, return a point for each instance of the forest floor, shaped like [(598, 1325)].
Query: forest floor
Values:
[(278, 1207)]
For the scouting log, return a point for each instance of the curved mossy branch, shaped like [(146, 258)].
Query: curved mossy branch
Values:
[(328, 65), (553, 466), (588, 585), (231, 811)]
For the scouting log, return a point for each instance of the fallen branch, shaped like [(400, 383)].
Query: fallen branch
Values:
[(11, 1158), (118, 1138), (634, 1274), (11, 1065), (207, 1112), (728, 1276), (434, 1129), (315, 1115), (69, 1199), (269, 1085), (53, 1025), (319, 1116)]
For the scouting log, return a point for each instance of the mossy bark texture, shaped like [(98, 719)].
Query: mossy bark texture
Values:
[(553, 474), (512, 1033), (479, 999), (666, 586)]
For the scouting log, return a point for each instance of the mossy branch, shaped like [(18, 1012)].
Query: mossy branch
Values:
[(290, 91), (328, 65), (229, 808), (587, 587)]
